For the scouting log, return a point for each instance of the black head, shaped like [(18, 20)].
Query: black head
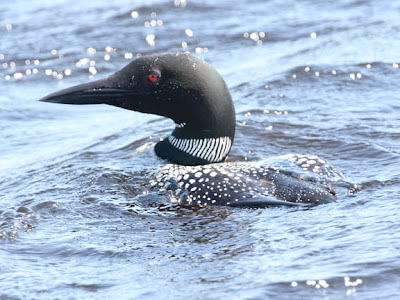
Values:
[(178, 86)]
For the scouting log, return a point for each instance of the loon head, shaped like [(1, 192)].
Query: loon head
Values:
[(178, 86)]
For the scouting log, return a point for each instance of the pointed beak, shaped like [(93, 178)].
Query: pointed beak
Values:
[(95, 92)]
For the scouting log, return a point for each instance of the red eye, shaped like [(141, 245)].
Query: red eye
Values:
[(153, 76)]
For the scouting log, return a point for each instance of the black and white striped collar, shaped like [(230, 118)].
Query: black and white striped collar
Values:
[(208, 149), (180, 125)]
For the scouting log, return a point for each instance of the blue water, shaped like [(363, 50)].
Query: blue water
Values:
[(313, 77)]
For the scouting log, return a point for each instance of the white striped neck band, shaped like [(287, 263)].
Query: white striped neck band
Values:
[(180, 125), (209, 149)]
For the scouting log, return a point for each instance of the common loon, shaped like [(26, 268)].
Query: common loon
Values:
[(195, 96)]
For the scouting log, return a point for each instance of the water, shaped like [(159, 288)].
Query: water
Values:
[(312, 77)]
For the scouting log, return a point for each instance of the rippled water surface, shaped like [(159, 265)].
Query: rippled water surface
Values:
[(314, 77)]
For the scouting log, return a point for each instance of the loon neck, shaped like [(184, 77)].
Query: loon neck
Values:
[(193, 145)]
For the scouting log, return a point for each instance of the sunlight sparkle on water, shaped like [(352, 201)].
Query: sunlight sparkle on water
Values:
[(189, 32), (153, 23), (91, 51), (150, 39), (82, 62), (255, 36), (110, 49), (201, 50), (128, 55), (324, 284), (180, 3), (318, 284), (93, 70), (348, 282), (18, 75), (354, 76)]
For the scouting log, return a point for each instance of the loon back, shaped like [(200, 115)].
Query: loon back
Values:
[(178, 86), (194, 95), (291, 180)]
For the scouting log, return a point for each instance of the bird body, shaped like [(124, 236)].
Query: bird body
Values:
[(194, 95)]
